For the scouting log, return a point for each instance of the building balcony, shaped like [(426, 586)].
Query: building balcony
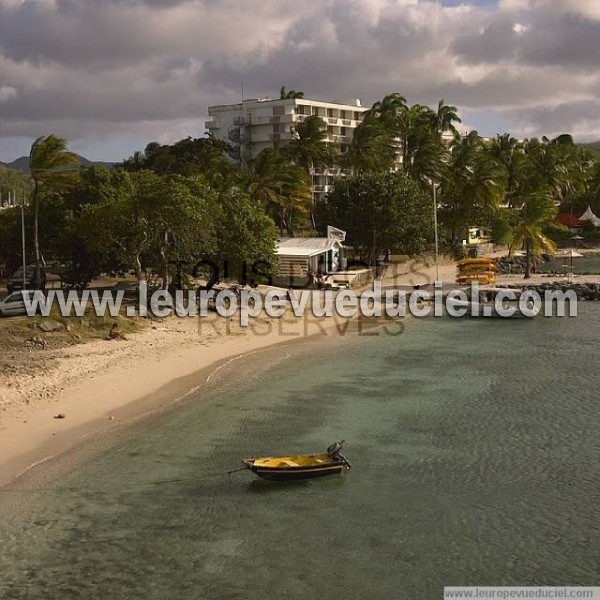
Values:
[(340, 139), (282, 119)]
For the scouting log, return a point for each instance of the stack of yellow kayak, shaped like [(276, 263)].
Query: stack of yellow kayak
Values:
[(482, 270)]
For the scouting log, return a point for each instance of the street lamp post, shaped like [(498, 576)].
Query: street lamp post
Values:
[(435, 226), (23, 245), (12, 201)]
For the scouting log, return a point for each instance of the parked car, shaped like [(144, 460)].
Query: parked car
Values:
[(16, 281), (14, 303), (131, 289)]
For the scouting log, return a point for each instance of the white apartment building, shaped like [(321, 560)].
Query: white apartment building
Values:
[(253, 125)]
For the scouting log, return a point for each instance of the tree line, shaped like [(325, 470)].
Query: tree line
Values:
[(172, 207)]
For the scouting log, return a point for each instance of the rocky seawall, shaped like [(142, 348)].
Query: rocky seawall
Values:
[(584, 291)]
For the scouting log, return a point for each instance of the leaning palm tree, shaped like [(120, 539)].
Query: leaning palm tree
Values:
[(51, 168)]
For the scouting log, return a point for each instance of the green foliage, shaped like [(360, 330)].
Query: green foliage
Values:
[(167, 224), (14, 185), (381, 211), (149, 221), (593, 148), (245, 235), (172, 206), (286, 95), (53, 169), (10, 238), (529, 225), (392, 130), (190, 157), (473, 187), (281, 187), (309, 147)]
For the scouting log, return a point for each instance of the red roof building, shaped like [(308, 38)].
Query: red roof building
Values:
[(569, 220)]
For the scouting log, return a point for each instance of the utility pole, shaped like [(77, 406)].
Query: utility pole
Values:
[(22, 236), (435, 226)]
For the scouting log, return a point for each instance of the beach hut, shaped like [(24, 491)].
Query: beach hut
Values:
[(301, 259)]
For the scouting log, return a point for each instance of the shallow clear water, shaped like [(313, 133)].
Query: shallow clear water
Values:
[(475, 452)]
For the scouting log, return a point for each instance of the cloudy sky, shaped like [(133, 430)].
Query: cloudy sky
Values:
[(112, 75)]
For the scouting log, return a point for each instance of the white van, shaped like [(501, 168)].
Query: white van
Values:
[(14, 304)]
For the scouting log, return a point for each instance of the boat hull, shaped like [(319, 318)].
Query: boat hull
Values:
[(296, 474), (301, 466)]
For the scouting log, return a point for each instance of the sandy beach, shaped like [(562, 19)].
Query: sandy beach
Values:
[(100, 385)]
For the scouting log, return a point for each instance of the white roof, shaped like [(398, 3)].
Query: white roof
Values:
[(305, 246), (588, 215)]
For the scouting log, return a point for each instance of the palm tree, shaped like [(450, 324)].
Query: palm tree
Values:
[(473, 187), (284, 95), (310, 149), (371, 149), (281, 187), (508, 151), (388, 110), (423, 152), (51, 168), (446, 116), (538, 211)]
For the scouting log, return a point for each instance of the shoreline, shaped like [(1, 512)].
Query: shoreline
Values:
[(160, 385), (105, 386)]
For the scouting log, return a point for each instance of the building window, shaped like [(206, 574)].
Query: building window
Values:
[(278, 111), (302, 109)]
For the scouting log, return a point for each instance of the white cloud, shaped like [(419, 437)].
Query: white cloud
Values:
[(151, 67), (7, 93)]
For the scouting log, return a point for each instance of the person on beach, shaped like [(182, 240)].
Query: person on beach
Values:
[(115, 334)]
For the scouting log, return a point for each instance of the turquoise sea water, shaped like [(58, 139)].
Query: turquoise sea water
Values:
[(475, 452)]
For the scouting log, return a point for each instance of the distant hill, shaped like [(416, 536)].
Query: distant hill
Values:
[(22, 164), (593, 147)]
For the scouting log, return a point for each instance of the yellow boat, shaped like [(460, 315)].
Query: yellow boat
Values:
[(476, 268), (302, 466), (475, 261), (483, 278)]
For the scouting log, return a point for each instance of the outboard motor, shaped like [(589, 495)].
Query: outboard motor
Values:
[(335, 451)]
